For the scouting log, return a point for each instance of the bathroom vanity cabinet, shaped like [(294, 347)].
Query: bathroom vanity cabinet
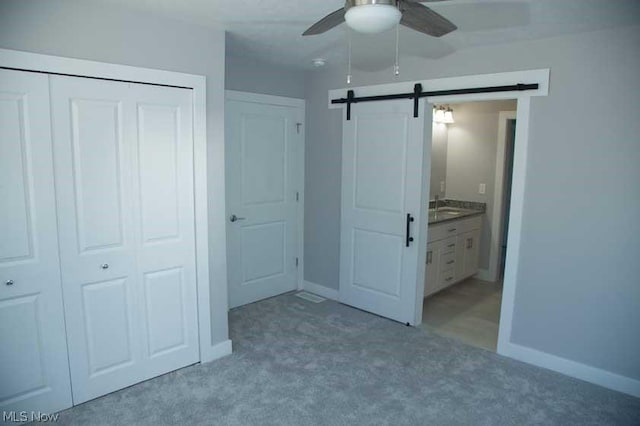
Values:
[(452, 252)]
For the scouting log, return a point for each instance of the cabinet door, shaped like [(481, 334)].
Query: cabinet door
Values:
[(461, 253), (432, 273), (34, 371), (472, 246), (467, 253)]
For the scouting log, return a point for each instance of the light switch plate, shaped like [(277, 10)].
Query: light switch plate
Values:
[(441, 186), (482, 189)]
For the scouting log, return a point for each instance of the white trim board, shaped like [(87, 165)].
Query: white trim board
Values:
[(483, 275), (210, 286), (572, 368), (219, 350), (497, 219), (258, 98), (320, 290)]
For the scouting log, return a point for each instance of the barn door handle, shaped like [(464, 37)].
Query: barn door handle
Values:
[(235, 218), (408, 235)]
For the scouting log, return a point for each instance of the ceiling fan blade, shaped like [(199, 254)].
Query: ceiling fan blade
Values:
[(420, 18), (325, 24)]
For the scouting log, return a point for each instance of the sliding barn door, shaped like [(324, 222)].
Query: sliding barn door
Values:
[(34, 370), (124, 184), (384, 209)]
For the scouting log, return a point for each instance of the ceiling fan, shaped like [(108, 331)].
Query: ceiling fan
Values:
[(375, 16)]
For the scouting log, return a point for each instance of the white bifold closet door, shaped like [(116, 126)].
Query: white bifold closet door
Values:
[(34, 370), (124, 189)]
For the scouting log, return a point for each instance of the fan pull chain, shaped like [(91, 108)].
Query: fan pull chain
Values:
[(349, 67), (396, 67)]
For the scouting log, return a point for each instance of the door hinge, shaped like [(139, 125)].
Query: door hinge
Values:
[(297, 196), (296, 262), (298, 127)]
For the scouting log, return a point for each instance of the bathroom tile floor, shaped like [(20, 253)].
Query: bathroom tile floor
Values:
[(468, 311)]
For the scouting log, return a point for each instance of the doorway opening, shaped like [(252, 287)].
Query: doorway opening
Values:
[(470, 193)]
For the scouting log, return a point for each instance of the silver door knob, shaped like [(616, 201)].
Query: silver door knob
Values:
[(105, 266), (9, 282), (235, 218)]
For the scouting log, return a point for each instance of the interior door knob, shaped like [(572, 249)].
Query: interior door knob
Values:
[(105, 266), (9, 282), (235, 218)]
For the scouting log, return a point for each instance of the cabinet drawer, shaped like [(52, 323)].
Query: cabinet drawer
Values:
[(443, 230), (449, 244), (447, 261), (447, 278)]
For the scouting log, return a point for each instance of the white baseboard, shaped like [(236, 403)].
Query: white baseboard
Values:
[(216, 351), (320, 290), (484, 275), (575, 369)]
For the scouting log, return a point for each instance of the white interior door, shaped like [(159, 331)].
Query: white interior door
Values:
[(124, 182), (34, 372), (261, 146), (384, 173), (164, 207)]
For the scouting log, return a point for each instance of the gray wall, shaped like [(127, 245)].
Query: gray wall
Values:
[(438, 160), (322, 190), (578, 288), (248, 75), (472, 143), (111, 34)]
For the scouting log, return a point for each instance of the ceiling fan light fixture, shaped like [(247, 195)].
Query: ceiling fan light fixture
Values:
[(373, 18)]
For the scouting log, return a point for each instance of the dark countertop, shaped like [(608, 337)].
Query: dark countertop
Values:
[(447, 214)]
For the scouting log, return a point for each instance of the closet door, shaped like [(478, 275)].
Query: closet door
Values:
[(124, 176), (34, 372), (91, 124), (165, 240)]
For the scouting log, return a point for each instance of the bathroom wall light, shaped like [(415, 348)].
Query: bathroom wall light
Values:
[(448, 117), (443, 115), (438, 115)]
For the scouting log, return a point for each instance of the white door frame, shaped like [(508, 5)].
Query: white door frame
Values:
[(209, 224), (300, 104), (541, 77), (495, 250)]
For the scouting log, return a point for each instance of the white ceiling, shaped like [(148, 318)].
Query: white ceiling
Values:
[(270, 30)]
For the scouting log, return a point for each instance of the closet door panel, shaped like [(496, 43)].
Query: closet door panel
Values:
[(97, 248), (166, 233), (34, 373), (124, 175), (96, 127)]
